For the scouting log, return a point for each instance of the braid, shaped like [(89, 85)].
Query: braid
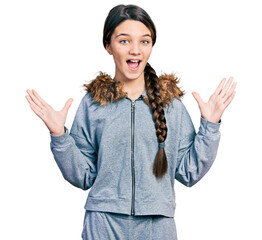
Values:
[(154, 97)]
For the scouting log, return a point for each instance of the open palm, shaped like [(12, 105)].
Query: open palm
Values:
[(54, 120), (218, 101)]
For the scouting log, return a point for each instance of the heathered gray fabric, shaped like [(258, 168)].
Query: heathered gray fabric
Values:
[(115, 226), (97, 154)]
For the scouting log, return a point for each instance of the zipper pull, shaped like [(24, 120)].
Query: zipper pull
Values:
[(133, 104)]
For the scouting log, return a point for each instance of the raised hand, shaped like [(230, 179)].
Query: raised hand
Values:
[(54, 120), (218, 101)]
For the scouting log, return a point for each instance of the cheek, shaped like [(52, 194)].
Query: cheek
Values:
[(118, 59), (148, 53), (119, 54)]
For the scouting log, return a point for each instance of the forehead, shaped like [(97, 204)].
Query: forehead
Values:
[(131, 27)]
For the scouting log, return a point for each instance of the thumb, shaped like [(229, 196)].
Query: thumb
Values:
[(198, 98), (67, 105)]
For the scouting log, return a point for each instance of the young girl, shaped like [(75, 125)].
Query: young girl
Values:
[(132, 137)]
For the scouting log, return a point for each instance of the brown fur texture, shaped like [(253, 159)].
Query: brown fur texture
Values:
[(106, 90)]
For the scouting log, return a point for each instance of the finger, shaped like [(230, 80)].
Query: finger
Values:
[(225, 89), (229, 100), (67, 104), (39, 98), (35, 108), (36, 111), (231, 90), (31, 103), (28, 99), (35, 99), (220, 86), (198, 98)]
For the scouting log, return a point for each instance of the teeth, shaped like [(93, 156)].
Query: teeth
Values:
[(134, 60)]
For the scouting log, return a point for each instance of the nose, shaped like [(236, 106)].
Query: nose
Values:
[(134, 49)]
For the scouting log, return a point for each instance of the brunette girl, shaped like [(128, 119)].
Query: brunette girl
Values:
[(132, 137)]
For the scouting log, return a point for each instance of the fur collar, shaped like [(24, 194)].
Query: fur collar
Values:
[(106, 90)]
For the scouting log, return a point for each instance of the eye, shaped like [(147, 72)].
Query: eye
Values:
[(145, 41), (124, 41)]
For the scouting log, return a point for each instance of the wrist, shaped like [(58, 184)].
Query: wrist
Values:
[(59, 133)]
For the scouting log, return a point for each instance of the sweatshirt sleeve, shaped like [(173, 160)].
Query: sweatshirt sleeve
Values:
[(74, 153), (196, 152)]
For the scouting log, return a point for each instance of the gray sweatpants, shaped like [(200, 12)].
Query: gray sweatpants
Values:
[(115, 226)]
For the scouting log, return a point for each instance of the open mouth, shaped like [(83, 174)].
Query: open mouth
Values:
[(133, 64)]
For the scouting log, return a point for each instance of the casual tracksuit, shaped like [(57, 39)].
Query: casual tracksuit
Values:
[(111, 149)]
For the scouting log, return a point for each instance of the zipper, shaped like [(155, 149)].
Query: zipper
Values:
[(132, 156)]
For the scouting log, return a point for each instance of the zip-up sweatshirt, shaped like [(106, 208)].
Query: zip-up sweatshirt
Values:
[(112, 148)]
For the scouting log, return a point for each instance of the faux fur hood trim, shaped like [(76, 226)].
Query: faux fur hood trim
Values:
[(106, 90)]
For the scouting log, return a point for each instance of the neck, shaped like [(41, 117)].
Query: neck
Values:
[(133, 87)]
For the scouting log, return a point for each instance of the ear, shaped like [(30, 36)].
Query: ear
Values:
[(108, 48)]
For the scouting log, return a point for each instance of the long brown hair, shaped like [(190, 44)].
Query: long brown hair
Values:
[(116, 16)]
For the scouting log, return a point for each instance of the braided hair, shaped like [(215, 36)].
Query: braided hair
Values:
[(117, 15), (154, 98)]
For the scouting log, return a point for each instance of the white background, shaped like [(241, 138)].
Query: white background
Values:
[(55, 46)]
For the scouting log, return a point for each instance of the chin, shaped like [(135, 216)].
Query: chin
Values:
[(133, 76)]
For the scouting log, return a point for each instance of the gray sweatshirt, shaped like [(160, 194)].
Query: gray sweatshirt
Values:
[(111, 149)]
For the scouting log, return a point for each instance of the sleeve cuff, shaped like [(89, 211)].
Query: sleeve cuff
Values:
[(207, 126), (58, 141)]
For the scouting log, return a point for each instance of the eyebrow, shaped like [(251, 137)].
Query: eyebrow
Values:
[(125, 34)]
